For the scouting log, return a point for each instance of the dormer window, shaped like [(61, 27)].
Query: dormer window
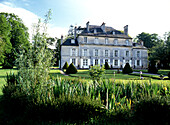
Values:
[(85, 39), (96, 40), (106, 40), (115, 41), (95, 31), (113, 32), (72, 41), (127, 42)]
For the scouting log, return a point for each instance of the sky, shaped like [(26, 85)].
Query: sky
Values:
[(150, 16)]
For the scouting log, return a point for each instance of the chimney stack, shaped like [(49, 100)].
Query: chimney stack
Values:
[(61, 39), (87, 26), (103, 27), (126, 30), (75, 32)]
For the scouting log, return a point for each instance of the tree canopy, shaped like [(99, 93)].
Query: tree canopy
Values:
[(15, 37)]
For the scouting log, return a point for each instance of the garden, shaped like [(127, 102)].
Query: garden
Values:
[(35, 92)]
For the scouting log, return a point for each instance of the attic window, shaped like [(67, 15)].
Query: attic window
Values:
[(72, 41), (106, 40), (115, 41), (95, 31), (127, 42), (113, 32)]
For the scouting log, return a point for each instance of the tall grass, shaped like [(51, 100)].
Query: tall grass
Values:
[(113, 95)]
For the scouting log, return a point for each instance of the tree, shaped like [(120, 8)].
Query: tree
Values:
[(96, 72), (107, 65), (58, 51), (127, 69), (15, 35), (66, 65), (149, 40)]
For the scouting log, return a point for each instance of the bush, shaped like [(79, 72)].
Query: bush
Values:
[(66, 65), (169, 75), (107, 65), (152, 109), (71, 69), (152, 69), (127, 69)]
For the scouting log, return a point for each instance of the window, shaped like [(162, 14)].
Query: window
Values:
[(115, 41), (127, 53), (116, 63), (138, 62), (113, 32), (85, 62), (116, 53), (106, 53), (74, 61), (85, 52), (96, 40), (106, 40), (96, 61), (72, 41), (138, 53), (96, 52), (85, 39), (73, 52)]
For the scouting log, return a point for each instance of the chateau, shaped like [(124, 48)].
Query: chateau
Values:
[(96, 45)]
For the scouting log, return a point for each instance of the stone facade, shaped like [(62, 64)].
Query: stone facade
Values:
[(95, 45)]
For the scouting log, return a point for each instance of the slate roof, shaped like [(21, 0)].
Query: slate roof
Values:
[(68, 43)]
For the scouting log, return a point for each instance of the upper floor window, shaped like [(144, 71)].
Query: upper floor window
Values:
[(96, 52), (96, 40), (127, 54), (138, 53), (115, 41), (106, 40), (116, 53), (106, 53), (85, 39), (73, 52), (72, 41), (85, 52)]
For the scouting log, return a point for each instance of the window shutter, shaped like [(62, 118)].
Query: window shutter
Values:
[(103, 53), (140, 62), (113, 53), (70, 60), (135, 62), (93, 52), (82, 52), (93, 62), (108, 53), (109, 62), (88, 63), (99, 61), (113, 62), (103, 61), (118, 53), (76, 62), (76, 52), (99, 52), (70, 52), (119, 63), (130, 63), (81, 63), (88, 52)]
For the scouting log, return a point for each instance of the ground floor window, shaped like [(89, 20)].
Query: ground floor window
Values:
[(74, 61), (85, 62), (138, 62), (116, 63), (96, 61)]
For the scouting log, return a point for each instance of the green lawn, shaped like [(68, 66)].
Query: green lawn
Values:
[(83, 74)]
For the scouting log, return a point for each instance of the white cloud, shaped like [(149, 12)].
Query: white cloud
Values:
[(30, 18)]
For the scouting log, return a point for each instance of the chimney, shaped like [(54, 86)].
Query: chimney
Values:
[(61, 39), (126, 30), (103, 27), (75, 31), (87, 26)]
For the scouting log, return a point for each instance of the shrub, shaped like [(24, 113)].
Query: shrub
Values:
[(107, 65), (127, 69), (152, 69), (66, 65), (71, 69), (96, 72), (153, 109)]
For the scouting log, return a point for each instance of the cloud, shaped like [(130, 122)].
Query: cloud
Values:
[(30, 18)]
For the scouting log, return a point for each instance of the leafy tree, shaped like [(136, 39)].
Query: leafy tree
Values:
[(16, 37), (96, 72), (149, 40), (127, 69), (71, 69), (58, 51)]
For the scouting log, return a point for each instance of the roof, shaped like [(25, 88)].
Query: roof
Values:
[(95, 30), (68, 43)]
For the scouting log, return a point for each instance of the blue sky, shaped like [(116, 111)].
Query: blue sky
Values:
[(150, 16)]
